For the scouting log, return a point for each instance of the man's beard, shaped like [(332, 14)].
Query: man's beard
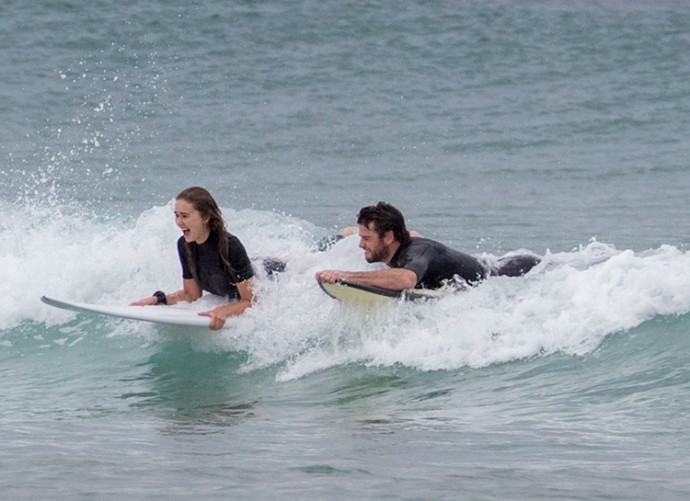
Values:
[(377, 255)]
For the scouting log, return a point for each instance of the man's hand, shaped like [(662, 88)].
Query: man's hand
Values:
[(330, 276)]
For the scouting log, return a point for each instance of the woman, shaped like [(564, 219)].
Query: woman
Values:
[(212, 259)]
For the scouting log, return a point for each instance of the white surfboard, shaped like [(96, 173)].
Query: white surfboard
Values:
[(368, 294), (159, 314)]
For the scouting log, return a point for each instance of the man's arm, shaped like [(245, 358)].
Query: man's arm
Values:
[(392, 278)]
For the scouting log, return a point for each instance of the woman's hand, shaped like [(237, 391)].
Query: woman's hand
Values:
[(217, 316)]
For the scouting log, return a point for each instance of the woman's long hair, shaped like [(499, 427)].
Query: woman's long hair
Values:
[(203, 202)]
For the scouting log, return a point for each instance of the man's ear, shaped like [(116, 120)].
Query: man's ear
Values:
[(388, 237)]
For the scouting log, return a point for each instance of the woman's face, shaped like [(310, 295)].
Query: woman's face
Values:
[(188, 219)]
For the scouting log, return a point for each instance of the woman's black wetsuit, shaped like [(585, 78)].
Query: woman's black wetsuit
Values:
[(211, 274)]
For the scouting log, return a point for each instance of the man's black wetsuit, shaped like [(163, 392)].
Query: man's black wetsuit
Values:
[(212, 275), (434, 263)]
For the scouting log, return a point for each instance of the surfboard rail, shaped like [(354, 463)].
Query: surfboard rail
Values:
[(349, 292), (158, 314)]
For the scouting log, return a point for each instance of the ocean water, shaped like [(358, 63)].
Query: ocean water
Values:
[(555, 127)]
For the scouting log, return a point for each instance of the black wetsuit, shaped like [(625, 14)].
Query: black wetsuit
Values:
[(436, 264), (211, 273)]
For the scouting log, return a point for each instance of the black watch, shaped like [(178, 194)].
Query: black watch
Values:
[(160, 297)]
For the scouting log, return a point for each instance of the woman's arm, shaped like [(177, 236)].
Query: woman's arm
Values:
[(190, 292)]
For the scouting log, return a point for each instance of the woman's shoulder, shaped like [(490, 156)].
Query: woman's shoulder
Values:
[(232, 239)]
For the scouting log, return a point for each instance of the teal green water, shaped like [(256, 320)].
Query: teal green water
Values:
[(556, 127)]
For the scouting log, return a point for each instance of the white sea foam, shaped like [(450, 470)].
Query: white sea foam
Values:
[(568, 303)]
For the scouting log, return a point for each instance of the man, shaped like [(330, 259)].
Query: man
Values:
[(414, 262)]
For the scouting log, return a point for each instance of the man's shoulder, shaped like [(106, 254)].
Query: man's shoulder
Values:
[(421, 243), (417, 247)]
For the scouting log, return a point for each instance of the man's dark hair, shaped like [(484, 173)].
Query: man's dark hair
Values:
[(385, 218)]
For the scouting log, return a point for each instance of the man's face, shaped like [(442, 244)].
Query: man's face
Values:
[(376, 249)]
